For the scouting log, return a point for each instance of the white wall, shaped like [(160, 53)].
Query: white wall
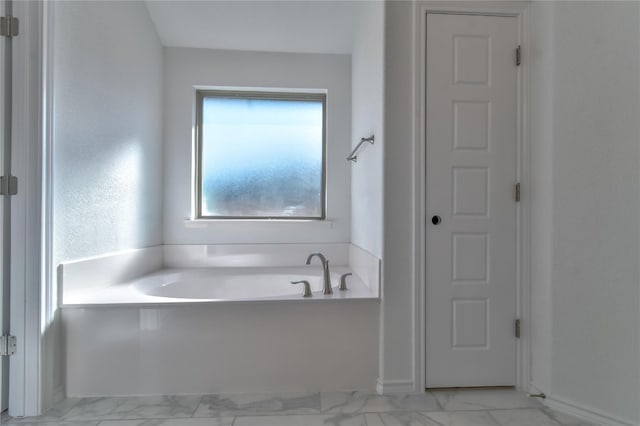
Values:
[(540, 189), (257, 25), (107, 133), (186, 68), (585, 156), (397, 343), (107, 141), (595, 358), (367, 116)]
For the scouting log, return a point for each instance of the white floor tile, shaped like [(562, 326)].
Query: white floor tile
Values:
[(358, 402), (485, 399), (217, 421), (462, 418), (32, 422), (52, 415), (255, 404), (399, 419), (566, 419), (298, 420), (440, 408), (467, 418), (523, 417), (151, 407)]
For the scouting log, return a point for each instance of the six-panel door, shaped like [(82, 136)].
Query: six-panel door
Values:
[(471, 166)]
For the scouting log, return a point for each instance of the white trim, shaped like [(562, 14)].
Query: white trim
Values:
[(324, 224), (524, 207), (583, 412), (49, 291), (385, 387), (25, 368), (520, 11)]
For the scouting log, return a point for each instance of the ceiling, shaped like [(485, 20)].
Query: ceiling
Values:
[(309, 26)]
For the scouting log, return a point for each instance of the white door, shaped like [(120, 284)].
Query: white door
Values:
[(471, 171)]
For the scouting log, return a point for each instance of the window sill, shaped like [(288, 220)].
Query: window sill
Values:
[(211, 223)]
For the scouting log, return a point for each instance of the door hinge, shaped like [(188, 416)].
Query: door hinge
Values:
[(9, 26), (517, 329), (518, 56), (7, 345), (516, 192), (8, 185)]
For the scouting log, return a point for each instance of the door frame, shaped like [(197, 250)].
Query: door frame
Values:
[(518, 10), (5, 306), (25, 371)]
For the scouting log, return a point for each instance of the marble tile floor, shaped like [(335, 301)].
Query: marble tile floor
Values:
[(499, 407)]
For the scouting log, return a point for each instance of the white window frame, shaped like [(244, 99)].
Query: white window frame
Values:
[(202, 94)]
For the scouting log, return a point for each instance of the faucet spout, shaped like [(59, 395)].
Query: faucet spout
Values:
[(326, 275), (319, 255)]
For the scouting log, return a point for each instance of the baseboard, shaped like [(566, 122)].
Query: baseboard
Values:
[(583, 412), (395, 386)]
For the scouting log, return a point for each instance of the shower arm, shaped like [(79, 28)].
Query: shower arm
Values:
[(353, 156)]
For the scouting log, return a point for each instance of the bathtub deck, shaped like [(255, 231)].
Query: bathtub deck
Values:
[(500, 407), (126, 294)]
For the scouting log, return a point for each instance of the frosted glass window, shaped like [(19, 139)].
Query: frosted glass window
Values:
[(261, 155)]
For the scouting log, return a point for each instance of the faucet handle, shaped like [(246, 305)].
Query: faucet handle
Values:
[(306, 291), (343, 281)]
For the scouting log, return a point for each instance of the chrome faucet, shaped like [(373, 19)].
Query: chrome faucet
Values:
[(343, 281), (325, 271), (306, 291)]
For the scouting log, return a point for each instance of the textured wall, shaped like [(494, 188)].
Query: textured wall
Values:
[(585, 153), (367, 116), (596, 207), (107, 131), (399, 231), (540, 189), (187, 68)]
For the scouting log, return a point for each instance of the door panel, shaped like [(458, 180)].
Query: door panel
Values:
[(471, 158)]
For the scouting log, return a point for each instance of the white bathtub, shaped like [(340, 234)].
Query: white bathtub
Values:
[(203, 274), (228, 284), (218, 319), (192, 285)]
